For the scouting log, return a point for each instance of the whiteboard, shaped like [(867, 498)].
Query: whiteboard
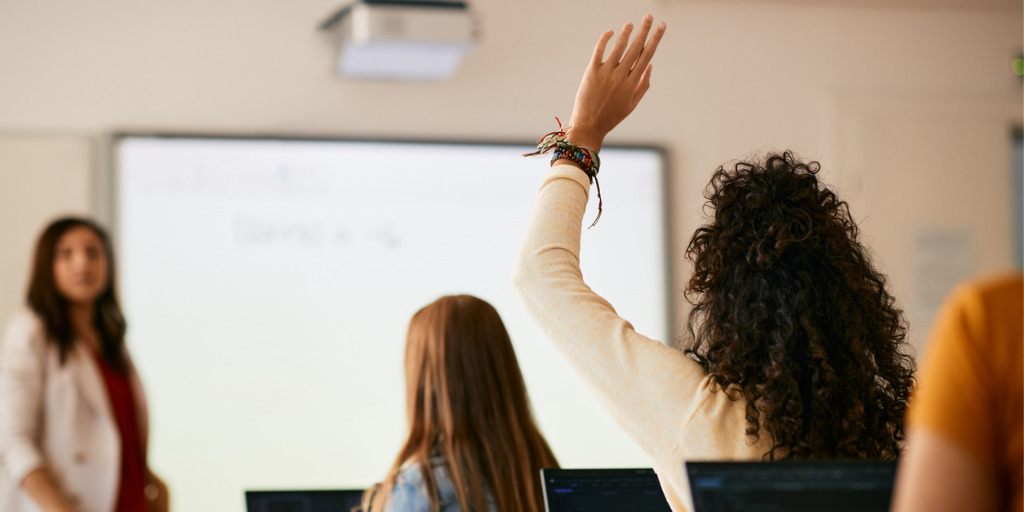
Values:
[(268, 285)]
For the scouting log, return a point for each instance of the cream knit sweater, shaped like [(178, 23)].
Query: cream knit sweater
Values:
[(662, 398)]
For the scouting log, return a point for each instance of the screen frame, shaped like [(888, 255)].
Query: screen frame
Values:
[(113, 186)]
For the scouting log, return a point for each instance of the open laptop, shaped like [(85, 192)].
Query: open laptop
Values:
[(303, 501), (791, 486), (602, 490)]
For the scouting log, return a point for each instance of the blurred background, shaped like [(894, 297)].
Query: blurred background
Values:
[(913, 107)]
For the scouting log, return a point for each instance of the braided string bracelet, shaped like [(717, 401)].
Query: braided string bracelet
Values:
[(557, 143)]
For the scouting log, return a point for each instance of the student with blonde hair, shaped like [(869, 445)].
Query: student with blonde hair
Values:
[(472, 442)]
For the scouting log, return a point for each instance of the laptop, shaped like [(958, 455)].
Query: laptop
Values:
[(791, 486), (602, 490), (348, 500)]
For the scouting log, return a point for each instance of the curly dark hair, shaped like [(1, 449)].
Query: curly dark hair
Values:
[(790, 314)]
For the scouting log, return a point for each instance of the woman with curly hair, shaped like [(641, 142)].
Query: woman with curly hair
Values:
[(797, 344), (789, 314)]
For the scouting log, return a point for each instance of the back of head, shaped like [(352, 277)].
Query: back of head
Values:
[(467, 404), (790, 313)]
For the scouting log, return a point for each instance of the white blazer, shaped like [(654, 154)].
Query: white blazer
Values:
[(58, 417)]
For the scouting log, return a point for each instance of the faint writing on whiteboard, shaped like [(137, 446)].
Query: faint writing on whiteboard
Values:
[(943, 257), (233, 179), (254, 233)]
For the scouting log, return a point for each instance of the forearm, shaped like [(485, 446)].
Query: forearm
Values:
[(39, 486), (624, 369), (936, 475), (550, 251)]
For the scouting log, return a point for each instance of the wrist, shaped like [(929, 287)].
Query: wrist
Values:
[(585, 137)]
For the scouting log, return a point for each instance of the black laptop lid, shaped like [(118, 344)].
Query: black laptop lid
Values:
[(303, 501), (603, 490), (799, 486)]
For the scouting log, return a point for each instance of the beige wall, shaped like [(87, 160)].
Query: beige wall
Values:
[(908, 108), (40, 177)]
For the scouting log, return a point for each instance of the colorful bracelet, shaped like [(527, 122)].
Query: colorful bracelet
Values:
[(582, 156), (558, 144)]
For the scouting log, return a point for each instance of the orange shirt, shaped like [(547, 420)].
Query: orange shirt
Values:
[(971, 387)]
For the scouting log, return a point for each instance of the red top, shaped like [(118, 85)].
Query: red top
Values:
[(131, 493)]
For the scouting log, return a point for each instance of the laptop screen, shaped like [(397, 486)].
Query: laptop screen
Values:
[(303, 501), (603, 490), (799, 486)]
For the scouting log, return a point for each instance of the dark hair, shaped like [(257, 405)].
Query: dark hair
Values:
[(47, 302), (789, 313)]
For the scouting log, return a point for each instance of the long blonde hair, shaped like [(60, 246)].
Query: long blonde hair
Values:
[(466, 403)]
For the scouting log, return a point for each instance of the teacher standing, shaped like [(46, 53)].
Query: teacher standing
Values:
[(73, 420)]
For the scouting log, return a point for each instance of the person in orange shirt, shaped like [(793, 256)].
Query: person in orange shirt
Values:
[(964, 444)]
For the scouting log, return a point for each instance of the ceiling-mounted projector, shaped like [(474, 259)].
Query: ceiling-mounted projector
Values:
[(401, 39)]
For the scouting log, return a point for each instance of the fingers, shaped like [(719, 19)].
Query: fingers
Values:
[(602, 42), (620, 44), (649, 48), (638, 41), (639, 52)]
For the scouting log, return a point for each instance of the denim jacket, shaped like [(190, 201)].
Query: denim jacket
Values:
[(410, 494)]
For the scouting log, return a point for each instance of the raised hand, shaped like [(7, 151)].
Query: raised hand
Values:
[(612, 87)]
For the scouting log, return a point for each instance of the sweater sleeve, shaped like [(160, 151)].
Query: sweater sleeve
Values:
[(22, 369), (650, 389)]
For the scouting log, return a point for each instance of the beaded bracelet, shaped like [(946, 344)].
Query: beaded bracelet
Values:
[(561, 148)]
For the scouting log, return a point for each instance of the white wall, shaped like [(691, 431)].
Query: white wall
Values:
[(908, 108)]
